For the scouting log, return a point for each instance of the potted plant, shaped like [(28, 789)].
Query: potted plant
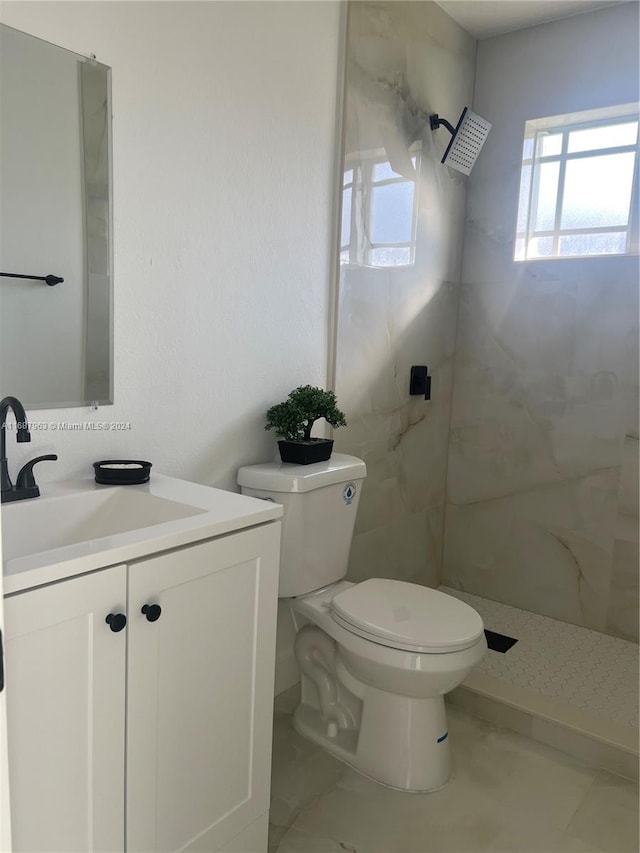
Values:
[(293, 419)]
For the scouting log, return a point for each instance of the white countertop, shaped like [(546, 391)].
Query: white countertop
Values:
[(213, 512)]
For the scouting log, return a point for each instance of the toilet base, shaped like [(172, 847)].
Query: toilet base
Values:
[(401, 743)]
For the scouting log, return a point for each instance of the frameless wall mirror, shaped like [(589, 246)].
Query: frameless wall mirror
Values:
[(55, 220)]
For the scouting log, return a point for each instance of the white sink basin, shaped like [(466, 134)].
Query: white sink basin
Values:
[(41, 525), (79, 526)]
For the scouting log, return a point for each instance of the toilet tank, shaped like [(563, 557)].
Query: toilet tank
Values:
[(320, 503)]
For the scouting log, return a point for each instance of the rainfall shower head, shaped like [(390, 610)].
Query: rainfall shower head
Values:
[(467, 139)]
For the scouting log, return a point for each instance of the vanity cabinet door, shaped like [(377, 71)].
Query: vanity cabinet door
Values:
[(65, 677), (200, 692)]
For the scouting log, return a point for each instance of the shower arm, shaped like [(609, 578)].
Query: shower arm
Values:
[(435, 122)]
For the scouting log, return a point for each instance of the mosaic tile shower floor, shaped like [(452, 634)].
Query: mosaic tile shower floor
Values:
[(594, 672)]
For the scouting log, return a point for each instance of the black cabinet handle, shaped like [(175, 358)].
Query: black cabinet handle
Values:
[(116, 621), (152, 612)]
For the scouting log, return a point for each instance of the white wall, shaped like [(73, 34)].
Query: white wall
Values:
[(223, 160), (579, 63)]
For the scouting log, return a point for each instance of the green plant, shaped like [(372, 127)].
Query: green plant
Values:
[(294, 418)]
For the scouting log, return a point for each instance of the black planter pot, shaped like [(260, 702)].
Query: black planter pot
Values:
[(306, 452)]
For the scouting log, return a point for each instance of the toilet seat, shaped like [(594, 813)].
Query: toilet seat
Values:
[(407, 616)]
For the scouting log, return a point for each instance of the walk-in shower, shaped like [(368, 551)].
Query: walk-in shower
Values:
[(516, 482)]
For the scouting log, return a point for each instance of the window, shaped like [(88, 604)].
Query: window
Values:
[(578, 186), (378, 214)]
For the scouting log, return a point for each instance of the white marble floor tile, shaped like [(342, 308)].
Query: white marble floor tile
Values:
[(381, 820), (516, 771), (540, 841), (301, 783), (566, 844), (300, 842), (608, 815), (508, 795), (300, 770)]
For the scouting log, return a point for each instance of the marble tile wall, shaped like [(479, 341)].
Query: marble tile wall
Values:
[(542, 503), (404, 62), (622, 611)]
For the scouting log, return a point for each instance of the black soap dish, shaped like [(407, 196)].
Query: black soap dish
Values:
[(122, 472)]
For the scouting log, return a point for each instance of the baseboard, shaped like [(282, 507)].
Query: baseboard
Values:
[(599, 744)]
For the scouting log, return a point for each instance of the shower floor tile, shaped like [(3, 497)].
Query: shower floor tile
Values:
[(586, 670)]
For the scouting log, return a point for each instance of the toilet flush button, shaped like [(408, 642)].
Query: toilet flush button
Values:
[(349, 493), (332, 730)]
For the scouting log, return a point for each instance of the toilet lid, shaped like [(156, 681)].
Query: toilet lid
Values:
[(407, 616)]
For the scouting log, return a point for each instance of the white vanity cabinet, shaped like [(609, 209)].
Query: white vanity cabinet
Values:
[(199, 704), (156, 737), (66, 681)]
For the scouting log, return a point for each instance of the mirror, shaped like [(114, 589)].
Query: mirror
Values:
[(55, 220)]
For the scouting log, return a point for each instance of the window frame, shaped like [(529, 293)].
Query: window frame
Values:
[(536, 131)]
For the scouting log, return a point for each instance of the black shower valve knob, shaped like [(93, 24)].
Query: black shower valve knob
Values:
[(420, 381)]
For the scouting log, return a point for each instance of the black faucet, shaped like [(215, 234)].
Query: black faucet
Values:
[(26, 485)]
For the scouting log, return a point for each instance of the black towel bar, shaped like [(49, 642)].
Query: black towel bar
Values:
[(50, 279)]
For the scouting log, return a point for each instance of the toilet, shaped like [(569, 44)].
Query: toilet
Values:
[(377, 657)]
